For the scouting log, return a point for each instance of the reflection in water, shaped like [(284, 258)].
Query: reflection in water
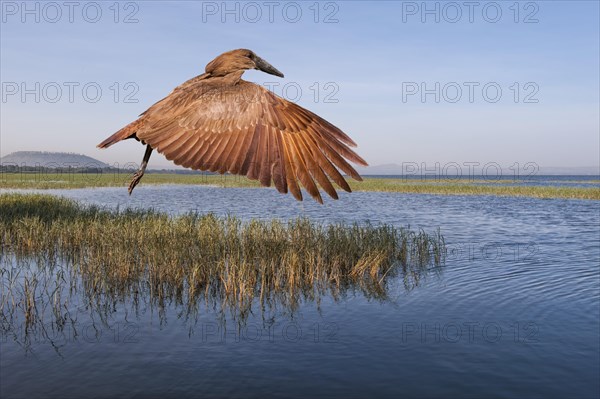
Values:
[(62, 262), (45, 301)]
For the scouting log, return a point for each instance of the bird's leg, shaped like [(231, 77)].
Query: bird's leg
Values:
[(138, 175)]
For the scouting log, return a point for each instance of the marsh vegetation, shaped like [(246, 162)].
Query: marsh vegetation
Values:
[(49, 180), (56, 252)]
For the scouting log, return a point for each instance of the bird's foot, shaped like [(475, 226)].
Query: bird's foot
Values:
[(135, 180)]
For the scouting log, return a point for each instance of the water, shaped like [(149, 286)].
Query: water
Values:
[(514, 312)]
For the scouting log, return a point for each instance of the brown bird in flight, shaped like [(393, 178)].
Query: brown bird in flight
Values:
[(221, 123)]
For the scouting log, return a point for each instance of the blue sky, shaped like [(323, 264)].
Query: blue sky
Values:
[(361, 65)]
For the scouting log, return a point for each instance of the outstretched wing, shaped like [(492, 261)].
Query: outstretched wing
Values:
[(245, 129)]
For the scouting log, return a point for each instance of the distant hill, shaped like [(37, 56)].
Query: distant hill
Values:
[(51, 160)]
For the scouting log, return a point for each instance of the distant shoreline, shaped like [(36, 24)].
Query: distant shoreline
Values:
[(537, 187)]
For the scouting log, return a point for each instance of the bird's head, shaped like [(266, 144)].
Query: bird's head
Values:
[(239, 60)]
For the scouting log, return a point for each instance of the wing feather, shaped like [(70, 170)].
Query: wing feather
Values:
[(315, 168), (326, 164), (213, 160), (278, 165), (190, 151), (244, 129), (265, 158), (175, 149), (225, 161), (204, 159), (239, 156), (301, 168), (248, 164), (290, 175)]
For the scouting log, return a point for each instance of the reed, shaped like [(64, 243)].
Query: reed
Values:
[(112, 255), (437, 187)]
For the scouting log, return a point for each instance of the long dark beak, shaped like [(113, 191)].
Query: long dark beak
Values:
[(266, 67)]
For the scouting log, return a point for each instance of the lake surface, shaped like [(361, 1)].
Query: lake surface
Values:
[(513, 312)]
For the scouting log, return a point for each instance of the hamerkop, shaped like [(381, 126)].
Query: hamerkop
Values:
[(221, 123)]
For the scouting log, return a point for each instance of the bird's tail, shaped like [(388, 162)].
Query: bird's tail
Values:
[(125, 133)]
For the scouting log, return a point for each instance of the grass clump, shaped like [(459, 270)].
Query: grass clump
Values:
[(113, 255)]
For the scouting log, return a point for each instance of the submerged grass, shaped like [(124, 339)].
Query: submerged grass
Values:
[(447, 187), (123, 254)]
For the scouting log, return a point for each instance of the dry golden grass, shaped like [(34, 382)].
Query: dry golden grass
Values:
[(110, 256)]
